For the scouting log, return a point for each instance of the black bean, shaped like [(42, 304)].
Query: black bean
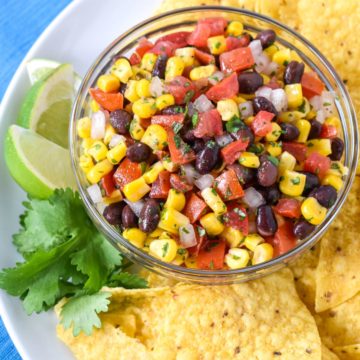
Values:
[(261, 103), (246, 176), (112, 213), (244, 134), (326, 195), (120, 121), (207, 158), (302, 229), (293, 72), (271, 194), (337, 149), (187, 134), (138, 152), (289, 132), (149, 216), (249, 82), (265, 221), (173, 110), (198, 145), (266, 37), (128, 217), (315, 130), (311, 182), (267, 173), (160, 66)]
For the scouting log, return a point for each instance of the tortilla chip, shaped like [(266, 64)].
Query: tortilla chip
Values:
[(155, 280), (326, 354), (338, 272), (258, 319), (349, 352)]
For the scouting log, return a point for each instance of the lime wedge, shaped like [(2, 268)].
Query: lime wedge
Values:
[(47, 105), (36, 164)]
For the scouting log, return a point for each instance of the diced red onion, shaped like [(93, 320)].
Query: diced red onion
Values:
[(279, 99), (191, 109), (116, 140), (98, 122), (320, 116), (271, 69), (223, 140), (216, 77), (328, 105), (204, 181), (135, 206), (187, 236), (264, 91), (246, 109), (253, 198), (157, 87), (100, 207), (316, 102), (202, 104), (94, 193), (256, 48), (262, 63), (190, 173)]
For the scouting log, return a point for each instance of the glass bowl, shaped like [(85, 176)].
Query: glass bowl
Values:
[(184, 19)]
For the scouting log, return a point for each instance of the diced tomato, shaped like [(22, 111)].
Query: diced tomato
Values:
[(179, 184), (317, 164), (181, 88), (145, 122), (209, 124), (311, 85), (135, 59), (237, 217), (328, 131), (144, 46), (168, 120), (225, 89), (204, 57), (108, 183), (236, 60), (127, 172), (261, 125), (217, 25), (273, 84), (284, 239), (164, 47), (180, 152), (200, 35), (179, 38), (228, 186), (232, 151), (235, 42), (290, 208), (109, 101), (200, 239), (160, 188), (194, 208), (297, 150), (212, 256)]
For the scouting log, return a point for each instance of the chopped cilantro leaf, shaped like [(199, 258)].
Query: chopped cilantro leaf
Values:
[(176, 127), (273, 160), (165, 249), (195, 119), (178, 141), (234, 125), (296, 181)]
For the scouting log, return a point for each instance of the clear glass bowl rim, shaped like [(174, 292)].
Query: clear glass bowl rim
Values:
[(196, 274)]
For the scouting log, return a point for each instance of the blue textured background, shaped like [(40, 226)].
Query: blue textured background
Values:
[(21, 23)]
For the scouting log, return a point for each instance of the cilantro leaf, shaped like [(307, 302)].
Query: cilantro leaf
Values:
[(127, 281), (234, 125)]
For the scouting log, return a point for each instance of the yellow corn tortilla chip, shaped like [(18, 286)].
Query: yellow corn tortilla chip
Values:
[(155, 280), (255, 320), (326, 354), (349, 352)]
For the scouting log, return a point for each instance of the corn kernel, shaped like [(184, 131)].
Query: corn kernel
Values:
[(191, 262), (122, 70), (98, 151), (174, 67), (113, 198), (286, 162), (282, 57), (181, 256), (143, 88), (165, 235), (312, 211), (83, 127), (152, 174), (252, 241), (274, 148), (249, 120), (155, 136), (237, 258), (249, 159), (136, 189), (235, 28), (228, 109), (321, 146), (263, 252), (108, 83), (213, 200), (136, 130), (292, 183), (86, 144), (171, 220), (187, 55), (147, 243), (109, 133), (98, 171), (333, 180), (304, 127), (169, 165), (238, 99), (311, 114), (94, 106), (304, 108), (175, 200), (271, 50), (290, 116), (275, 132), (201, 72), (212, 225), (334, 121), (164, 101), (144, 108), (217, 44), (130, 92), (337, 169), (135, 236), (233, 237), (294, 95), (117, 153), (156, 233), (148, 61), (86, 163), (164, 250)]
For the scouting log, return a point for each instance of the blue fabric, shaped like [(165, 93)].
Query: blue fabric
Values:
[(21, 23)]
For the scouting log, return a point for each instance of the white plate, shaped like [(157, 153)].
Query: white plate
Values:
[(76, 36)]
